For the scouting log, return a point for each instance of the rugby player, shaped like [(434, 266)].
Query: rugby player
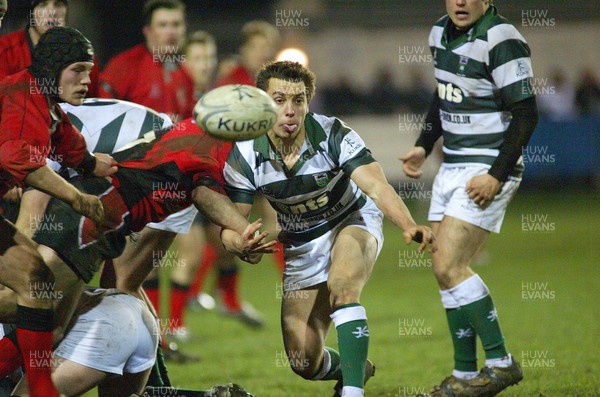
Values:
[(89, 355), (260, 41), (164, 86), (329, 194), (33, 128), (16, 47), (485, 109), (156, 177)]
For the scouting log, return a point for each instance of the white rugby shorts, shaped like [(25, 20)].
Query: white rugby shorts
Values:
[(450, 198), (308, 264), (178, 222), (119, 335)]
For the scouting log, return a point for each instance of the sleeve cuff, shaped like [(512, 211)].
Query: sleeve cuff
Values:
[(240, 195), (87, 165), (363, 157)]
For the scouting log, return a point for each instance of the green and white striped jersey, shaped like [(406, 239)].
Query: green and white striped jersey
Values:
[(314, 195), (479, 74)]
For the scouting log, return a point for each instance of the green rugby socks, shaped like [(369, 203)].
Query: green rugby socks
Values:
[(475, 300), (464, 338), (330, 368), (353, 341)]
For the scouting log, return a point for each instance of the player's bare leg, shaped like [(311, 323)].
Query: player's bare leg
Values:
[(68, 288), (31, 211), (70, 378), (23, 270), (307, 315), (352, 259), (138, 260), (470, 312), (123, 386), (305, 320), (73, 379)]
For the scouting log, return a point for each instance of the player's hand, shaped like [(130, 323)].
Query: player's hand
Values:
[(420, 234), (482, 189), (252, 245), (412, 162), (89, 206), (13, 194), (105, 165)]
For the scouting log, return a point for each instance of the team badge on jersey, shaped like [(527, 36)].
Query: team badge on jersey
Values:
[(322, 179)]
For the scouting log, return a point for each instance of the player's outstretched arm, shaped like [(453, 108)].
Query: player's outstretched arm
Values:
[(372, 181), (238, 236), (31, 211), (48, 181)]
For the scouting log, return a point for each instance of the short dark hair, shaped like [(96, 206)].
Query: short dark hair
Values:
[(289, 71), (152, 5)]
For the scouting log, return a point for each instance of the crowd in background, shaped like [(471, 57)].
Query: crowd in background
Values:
[(559, 99)]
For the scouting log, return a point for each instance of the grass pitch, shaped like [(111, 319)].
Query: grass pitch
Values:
[(542, 271)]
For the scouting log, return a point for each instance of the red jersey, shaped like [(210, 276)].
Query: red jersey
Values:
[(239, 75), (29, 132), (156, 179), (136, 75), (15, 55)]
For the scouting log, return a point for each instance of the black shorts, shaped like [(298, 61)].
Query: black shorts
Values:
[(10, 210), (76, 239)]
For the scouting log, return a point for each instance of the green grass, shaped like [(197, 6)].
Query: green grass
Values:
[(559, 325)]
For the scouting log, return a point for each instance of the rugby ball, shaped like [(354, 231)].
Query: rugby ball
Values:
[(235, 112)]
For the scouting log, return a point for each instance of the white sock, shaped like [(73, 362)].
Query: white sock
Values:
[(351, 391), (464, 375), (469, 291), (502, 362)]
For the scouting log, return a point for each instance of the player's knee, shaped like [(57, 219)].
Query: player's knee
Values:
[(447, 276), (442, 275), (342, 292)]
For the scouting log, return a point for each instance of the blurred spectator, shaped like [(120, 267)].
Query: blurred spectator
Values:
[(150, 73), (227, 65), (556, 99), (16, 47), (384, 94), (587, 96), (342, 98), (200, 60), (260, 42)]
